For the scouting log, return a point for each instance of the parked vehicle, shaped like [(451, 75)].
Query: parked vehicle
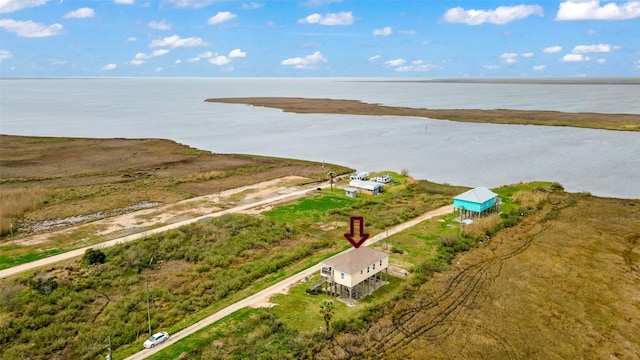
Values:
[(359, 176), (385, 179), (156, 339)]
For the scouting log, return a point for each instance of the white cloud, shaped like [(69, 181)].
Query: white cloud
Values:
[(177, 62), (193, 59), (220, 60), (175, 41), (222, 16), (109, 67), (417, 66), (601, 61), (374, 58), (574, 58), (407, 32), (30, 29), (141, 57), (592, 10), (5, 55), (81, 13), (316, 3), (382, 32), (193, 4), (159, 25), (206, 55), (637, 64), (309, 62), (527, 55), (501, 15), (552, 49), (132, 39), (395, 62), (539, 67), (252, 5), (9, 6), (491, 67), (331, 19), (508, 58), (159, 52), (237, 53), (123, 2), (599, 48)]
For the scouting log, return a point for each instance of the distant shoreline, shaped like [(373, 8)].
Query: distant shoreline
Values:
[(618, 122), (520, 81), (523, 81)]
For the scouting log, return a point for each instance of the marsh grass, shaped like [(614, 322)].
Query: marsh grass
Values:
[(67, 177), (15, 202), (623, 122)]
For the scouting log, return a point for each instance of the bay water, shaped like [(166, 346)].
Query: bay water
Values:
[(605, 163)]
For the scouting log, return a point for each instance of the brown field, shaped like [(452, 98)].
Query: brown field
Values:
[(562, 284), (623, 122), (45, 178)]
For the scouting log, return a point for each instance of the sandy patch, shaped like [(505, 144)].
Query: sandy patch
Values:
[(140, 220)]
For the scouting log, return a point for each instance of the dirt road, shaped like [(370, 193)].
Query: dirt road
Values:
[(281, 287)]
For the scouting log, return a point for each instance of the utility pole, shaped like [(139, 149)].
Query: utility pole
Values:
[(148, 308), (13, 241), (109, 348), (460, 235)]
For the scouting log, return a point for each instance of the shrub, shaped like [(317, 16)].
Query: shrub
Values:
[(45, 286), (93, 256), (397, 250)]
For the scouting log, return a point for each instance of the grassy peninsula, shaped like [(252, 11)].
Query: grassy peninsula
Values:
[(620, 122)]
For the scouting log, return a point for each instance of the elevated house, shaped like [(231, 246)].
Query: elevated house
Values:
[(355, 273), (367, 187), (476, 202)]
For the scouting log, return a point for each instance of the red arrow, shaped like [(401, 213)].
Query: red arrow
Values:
[(350, 235)]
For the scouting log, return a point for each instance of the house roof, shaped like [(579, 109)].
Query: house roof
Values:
[(367, 185), (478, 195), (355, 260)]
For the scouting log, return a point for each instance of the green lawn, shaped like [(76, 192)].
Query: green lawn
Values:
[(7, 261)]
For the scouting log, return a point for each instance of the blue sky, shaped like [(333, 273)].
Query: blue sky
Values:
[(320, 38)]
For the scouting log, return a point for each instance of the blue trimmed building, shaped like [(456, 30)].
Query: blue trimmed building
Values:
[(477, 201)]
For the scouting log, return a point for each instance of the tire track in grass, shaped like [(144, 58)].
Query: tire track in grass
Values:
[(437, 318)]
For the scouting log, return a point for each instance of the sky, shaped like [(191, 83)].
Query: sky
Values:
[(320, 38)]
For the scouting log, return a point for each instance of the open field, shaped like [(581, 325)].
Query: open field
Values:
[(48, 184), (562, 281), (72, 306), (557, 275), (623, 122), (562, 284)]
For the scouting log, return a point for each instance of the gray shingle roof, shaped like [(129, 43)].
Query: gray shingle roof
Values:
[(355, 260)]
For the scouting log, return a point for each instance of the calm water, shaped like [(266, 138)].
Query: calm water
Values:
[(605, 163)]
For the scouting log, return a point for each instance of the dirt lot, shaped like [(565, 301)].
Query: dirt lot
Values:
[(72, 179), (564, 284)]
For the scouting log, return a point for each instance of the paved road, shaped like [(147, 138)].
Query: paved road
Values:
[(278, 288), (79, 252)]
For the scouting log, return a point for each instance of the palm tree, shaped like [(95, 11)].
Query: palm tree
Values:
[(331, 174), (326, 309)]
